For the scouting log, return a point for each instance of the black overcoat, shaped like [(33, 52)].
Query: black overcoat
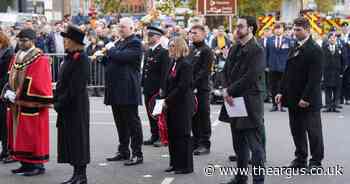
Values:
[(71, 102)]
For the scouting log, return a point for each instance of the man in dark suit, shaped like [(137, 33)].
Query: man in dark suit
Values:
[(332, 72), (301, 93), (123, 92), (242, 76), (201, 58), (277, 50), (153, 77)]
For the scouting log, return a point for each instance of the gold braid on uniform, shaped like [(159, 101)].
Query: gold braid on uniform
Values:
[(20, 66)]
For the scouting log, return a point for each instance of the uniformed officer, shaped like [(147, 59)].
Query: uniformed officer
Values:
[(201, 57), (153, 77)]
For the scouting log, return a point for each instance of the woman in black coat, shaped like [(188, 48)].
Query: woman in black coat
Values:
[(6, 53), (71, 102), (179, 105)]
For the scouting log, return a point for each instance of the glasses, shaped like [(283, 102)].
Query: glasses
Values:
[(23, 40), (241, 26), (297, 29)]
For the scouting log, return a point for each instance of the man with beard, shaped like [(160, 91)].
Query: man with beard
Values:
[(242, 76), (29, 94)]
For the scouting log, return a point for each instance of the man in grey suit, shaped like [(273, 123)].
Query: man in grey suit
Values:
[(242, 77)]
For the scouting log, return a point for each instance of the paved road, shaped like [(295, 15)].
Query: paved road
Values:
[(104, 141)]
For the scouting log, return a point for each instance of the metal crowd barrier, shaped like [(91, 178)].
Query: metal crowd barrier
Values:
[(97, 71)]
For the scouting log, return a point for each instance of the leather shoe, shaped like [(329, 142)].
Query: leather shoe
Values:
[(169, 169), (297, 164), (201, 151), (8, 160), (327, 110), (336, 110), (34, 172), (237, 181), (134, 161), (77, 180), (157, 144), (232, 158), (20, 170), (149, 142), (118, 157), (183, 171), (273, 109)]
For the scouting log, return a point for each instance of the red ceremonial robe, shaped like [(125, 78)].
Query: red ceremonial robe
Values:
[(28, 117)]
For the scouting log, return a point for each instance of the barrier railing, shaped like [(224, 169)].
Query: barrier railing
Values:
[(96, 69)]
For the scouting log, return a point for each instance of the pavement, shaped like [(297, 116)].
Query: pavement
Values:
[(280, 151)]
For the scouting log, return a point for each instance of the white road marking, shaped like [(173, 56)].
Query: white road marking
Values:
[(147, 176), (102, 164), (168, 180)]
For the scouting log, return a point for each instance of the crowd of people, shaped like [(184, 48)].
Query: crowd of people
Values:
[(287, 67)]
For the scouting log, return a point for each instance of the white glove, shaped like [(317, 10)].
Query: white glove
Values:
[(195, 91), (10, 95), (224, 92), (109, 45), (99, 53)]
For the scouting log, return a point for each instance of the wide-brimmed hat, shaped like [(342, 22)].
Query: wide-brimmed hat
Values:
[(75, 34)]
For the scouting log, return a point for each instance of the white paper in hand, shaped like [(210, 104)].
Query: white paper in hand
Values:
[(238, 109), (158, 107)]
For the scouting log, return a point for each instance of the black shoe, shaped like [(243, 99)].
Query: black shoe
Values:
[(3, 155), (297, 164), (34, 172), (236, 181), (232, 158), (339, 107), (314, 166), (347, 103), (78, 180), (134, 161), (149, 142), (183, 171), (169, 169), (201, 151), (282, 110), (8, 160), (336, 110), (20, 170), (273, 109), (327, 110), (157, 144), (118, 157)]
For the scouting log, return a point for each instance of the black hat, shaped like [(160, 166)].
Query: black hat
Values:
[(155, 30), (27, 33), (75, 34)]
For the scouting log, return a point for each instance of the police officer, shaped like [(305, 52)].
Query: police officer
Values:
[(153, 77), (201, 57)]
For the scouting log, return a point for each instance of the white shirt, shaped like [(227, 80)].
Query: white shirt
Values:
[(22, 54), (278, 41), (155, 46), (302, 42)]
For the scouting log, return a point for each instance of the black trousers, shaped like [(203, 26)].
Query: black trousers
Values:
[(267, 86), (306, 126), (180, 151), (275, 82), (128, 123), (201, 125), (246, 142), (3, 128), (332, 97), (152, 122)]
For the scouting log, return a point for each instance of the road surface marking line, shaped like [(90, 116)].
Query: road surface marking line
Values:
[(167, 180)]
